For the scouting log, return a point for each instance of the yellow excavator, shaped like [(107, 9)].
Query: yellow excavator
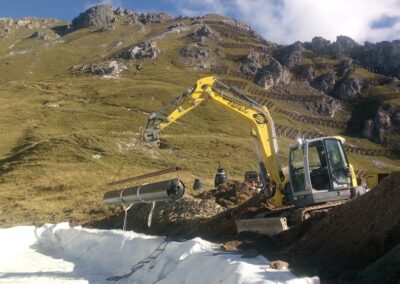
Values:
[(320, 173)]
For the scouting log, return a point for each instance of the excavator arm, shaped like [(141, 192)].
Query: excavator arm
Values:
[(261, 126)]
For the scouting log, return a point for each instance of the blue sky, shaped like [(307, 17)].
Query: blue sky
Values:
[(282, 21)]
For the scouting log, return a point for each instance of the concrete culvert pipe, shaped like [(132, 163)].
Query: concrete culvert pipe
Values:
[(160, 191)]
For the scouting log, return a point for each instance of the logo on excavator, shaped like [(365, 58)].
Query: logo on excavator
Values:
[(238, 107), (259, 118)]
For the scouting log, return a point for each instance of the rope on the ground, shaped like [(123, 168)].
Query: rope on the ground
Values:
[(159, 249)]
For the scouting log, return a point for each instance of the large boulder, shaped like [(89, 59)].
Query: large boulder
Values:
[(99, 15), (349, 89), (145, 49), (325, 83), (272, 74), (250, 64)]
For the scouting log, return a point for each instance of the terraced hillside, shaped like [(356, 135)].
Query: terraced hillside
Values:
[(73, 100)]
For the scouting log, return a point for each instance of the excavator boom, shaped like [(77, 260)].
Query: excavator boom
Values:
[(232, 98)]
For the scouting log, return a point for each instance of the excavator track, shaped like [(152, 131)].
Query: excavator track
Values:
[(297, 215), (301, 214)]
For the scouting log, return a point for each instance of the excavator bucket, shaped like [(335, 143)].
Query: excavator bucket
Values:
[(265, 226)]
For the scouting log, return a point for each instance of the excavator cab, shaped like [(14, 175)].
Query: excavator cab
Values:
[(319, 172)]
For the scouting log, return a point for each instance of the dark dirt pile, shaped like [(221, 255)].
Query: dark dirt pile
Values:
[(233, 194), (185, 218), (357, 242), (211, 216)]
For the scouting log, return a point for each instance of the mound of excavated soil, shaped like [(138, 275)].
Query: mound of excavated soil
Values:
[(185, 218), (357, 242)]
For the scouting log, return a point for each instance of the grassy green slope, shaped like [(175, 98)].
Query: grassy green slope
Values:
[(65, 135)]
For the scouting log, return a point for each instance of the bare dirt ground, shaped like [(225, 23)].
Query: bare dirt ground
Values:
[(358, 242)]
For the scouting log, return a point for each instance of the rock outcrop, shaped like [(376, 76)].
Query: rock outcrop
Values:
[(325, 83), (305, 71), (125, 16), (349, 89), (176, 25), (386, 120), (40, 35), (5, 27), (6, 22), (272, 74), (197, 54), (99, 15), (327, 107), (368, 129), (149, 18), (290, 55), (344, 44), (5, 32), (383, 57), (146, 49), (320, 45), (112, 68), (346, 67), (250, 65), (30, 23), (237, 24), (205, 32)]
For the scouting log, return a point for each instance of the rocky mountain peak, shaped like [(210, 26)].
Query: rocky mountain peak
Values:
[(345, 43), (98, 15), (319, 44)]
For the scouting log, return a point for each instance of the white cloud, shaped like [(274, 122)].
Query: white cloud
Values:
[(197, 8), (285, 21)]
